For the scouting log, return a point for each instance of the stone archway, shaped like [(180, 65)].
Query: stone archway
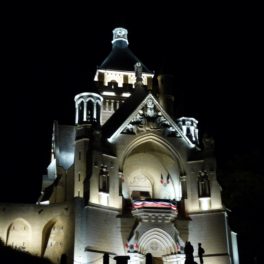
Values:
[(53, 239), (137, 181), (151, 166), (19, 234), (159, 141), (157, 242)]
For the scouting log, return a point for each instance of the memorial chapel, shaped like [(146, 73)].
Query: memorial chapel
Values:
[(128, 177)]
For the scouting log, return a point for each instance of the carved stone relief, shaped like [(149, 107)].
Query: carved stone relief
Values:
[(148, 119)]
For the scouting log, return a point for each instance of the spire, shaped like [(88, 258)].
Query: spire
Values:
[(121, 58), (120, 38)]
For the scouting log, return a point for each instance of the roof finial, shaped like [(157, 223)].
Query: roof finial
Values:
[(139, 80), (138, 71), (120, 37)]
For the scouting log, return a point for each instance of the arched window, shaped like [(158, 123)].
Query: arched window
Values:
[(80, 108), (104, 179), (19, 234), (203, 185), (90, 109), (113, 84)]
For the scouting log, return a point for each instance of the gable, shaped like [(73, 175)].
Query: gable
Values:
[(150, 116)]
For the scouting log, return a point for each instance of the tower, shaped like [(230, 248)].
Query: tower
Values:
[(87, 118), (115, 77), (128, 178)]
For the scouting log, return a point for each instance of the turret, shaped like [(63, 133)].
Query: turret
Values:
[(87, 117), (88, 108), (120, 38), (189, 128)]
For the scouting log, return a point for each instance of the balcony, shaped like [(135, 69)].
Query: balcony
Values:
[(155, 210)]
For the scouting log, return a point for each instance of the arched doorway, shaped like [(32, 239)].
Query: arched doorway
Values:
[(157, 242), (152, 168)]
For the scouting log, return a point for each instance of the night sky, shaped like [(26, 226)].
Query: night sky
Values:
[(51, 55)]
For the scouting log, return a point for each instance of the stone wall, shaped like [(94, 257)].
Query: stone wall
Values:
[(39, 229)]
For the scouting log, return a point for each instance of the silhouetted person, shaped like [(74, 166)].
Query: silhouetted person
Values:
[(106, 258), (148, 258), (63, 259), (200, 252), (121, 259), (188, 250)]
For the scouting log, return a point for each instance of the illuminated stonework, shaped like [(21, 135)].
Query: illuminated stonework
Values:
[(205, 203), (189, 128), (118, 79), (88, 108), (120, 34), (128, 178)]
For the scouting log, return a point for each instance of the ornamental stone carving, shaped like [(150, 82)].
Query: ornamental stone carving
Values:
[(149, 119)]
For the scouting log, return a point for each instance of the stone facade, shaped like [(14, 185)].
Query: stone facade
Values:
[(45, 231), (129, 178)]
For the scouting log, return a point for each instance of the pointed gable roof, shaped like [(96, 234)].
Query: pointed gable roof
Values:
[(142, 113), (121, 58)]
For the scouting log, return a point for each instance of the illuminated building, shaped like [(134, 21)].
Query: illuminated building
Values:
[(129, 178)]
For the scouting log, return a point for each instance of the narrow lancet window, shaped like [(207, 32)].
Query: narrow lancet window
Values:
[(104, 179), (203, 184)]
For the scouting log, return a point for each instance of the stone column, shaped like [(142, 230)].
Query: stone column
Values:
[(94, 111), (76, 113), (112, 105), (107, 105), (85, 111)]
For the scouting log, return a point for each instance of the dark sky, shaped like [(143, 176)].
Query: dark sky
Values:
[(51, 54)]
